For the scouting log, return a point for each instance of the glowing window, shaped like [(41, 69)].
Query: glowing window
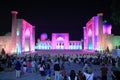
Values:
[(60, 39), (27, 33), (89, 32)]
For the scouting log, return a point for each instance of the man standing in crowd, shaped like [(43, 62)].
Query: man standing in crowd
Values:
[(57, 70), (18, 69), (104, 70)]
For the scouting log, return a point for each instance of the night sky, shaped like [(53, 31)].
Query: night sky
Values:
[(53, 16)]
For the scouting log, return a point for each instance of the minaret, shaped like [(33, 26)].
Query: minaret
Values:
[(85, 38), (100, 31), (14, 26)]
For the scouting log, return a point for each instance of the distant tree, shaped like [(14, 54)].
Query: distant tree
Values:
[(107, 50), (116, 47), (3, 51), (115, 12), (119, 47)]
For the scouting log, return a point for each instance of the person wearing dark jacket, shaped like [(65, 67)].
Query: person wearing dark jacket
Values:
[(57, 71), (104, 71), (18, 69)]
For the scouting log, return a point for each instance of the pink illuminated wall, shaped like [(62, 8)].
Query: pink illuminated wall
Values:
[(22, 35), (90, 34), (5, 42), (27, 36), (94, 32)]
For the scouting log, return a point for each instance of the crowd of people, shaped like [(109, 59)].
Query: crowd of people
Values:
[(49, 66)]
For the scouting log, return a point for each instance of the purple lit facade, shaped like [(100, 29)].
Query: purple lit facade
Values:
[(107, 29), (60, 38), (97, 36), (25, 39), (60, 41), (27, 36)]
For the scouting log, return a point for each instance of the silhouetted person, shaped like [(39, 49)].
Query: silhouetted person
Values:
[(18, 69), (72, 75), (115, 73), (89, 75), (80, 76), (57, 70), (104, 71)]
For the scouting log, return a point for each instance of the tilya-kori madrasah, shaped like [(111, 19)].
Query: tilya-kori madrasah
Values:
[(97, 36)]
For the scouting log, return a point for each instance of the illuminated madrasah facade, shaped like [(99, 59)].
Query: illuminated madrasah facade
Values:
[(59, 41), (22, 37), (96, 36)]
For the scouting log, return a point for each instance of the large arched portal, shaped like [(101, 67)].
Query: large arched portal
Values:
[(27, 37), (90, 39), (27, 40), (60, 41)]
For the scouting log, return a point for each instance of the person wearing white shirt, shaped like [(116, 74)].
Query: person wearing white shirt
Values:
[(88, 73), (24, 66)]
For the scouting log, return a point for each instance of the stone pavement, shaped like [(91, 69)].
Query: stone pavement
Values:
[(6, 75)]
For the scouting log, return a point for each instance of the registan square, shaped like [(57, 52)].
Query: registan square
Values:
[(22, 56)]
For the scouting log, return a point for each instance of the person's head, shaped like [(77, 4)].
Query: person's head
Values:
[(18, 62), (72, 73), (86, 65), (89, 71), (103, 64), (79, 71)]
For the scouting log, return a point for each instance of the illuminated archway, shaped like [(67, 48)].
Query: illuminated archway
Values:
[(60, 42), (27, 40), (90, 39)]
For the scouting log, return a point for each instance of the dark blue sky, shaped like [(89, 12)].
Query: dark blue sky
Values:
[(53, 16)]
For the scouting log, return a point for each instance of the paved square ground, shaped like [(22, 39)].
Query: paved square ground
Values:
[(7, 75)]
